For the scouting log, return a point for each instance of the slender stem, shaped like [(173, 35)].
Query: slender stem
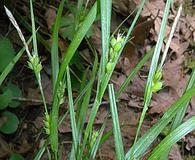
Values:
[(38, 76)]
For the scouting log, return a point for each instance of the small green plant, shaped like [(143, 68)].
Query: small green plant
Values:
[(10, 122), (16, 157), (7, 53)]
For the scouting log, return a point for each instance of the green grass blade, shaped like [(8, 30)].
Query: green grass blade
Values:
[(134, 72), (116, 126), (35, 53), (180, 115), (72, 114), (90, 18), (40, 153), (10, 66), (54, 48), (148, 138), (106, 136), (78, 14), (82, 93), (176, 120), (172, 138), (153, 67), (106, 7), (33, 29), (84, 82)]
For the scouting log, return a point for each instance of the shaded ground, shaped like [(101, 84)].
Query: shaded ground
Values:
[(178, 66)]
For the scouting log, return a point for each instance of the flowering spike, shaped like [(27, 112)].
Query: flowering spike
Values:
[(35, 64), (157, 83), (47, 122)]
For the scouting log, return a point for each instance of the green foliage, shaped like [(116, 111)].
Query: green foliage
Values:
[(97, 141), (10, 66), (16, 157), (150, 86), (16, 92), (7, 53), (40, 153), (72, 116), (89, 19), (6, 98), (172, 138), (116, 127), (71, 23), (54, 48), (11, 122)]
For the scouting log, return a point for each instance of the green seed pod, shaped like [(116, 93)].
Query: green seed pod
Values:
[(39, 68), (157, 86), (117, 47), (35, 64), (120, 39), (46, 123), (113, 41), (30, 65), (158, 75), (109, 67), (47, 117), (112, 53), (35, 60), (47, 131)]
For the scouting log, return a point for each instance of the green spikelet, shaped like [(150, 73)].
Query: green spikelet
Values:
[(47, 123), (157, 82), (93, 138), (115, 46), (35, 64), (60, 92)]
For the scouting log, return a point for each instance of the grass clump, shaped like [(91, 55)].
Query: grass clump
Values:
[(86, 141)]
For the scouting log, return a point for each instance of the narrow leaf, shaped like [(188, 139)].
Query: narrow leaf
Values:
[(54, 48), (172, 138), (116, 127)]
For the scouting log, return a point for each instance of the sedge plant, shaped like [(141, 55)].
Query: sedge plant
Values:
[(86, 141)]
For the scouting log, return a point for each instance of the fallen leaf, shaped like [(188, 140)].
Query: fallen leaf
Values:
[(174, 76), (137, 87), (124, 7), (50, 17), (161, 101), (190, 141), (127, 66), (175, 153), (5, 149)]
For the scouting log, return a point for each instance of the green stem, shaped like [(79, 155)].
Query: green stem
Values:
[(38, 77)]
